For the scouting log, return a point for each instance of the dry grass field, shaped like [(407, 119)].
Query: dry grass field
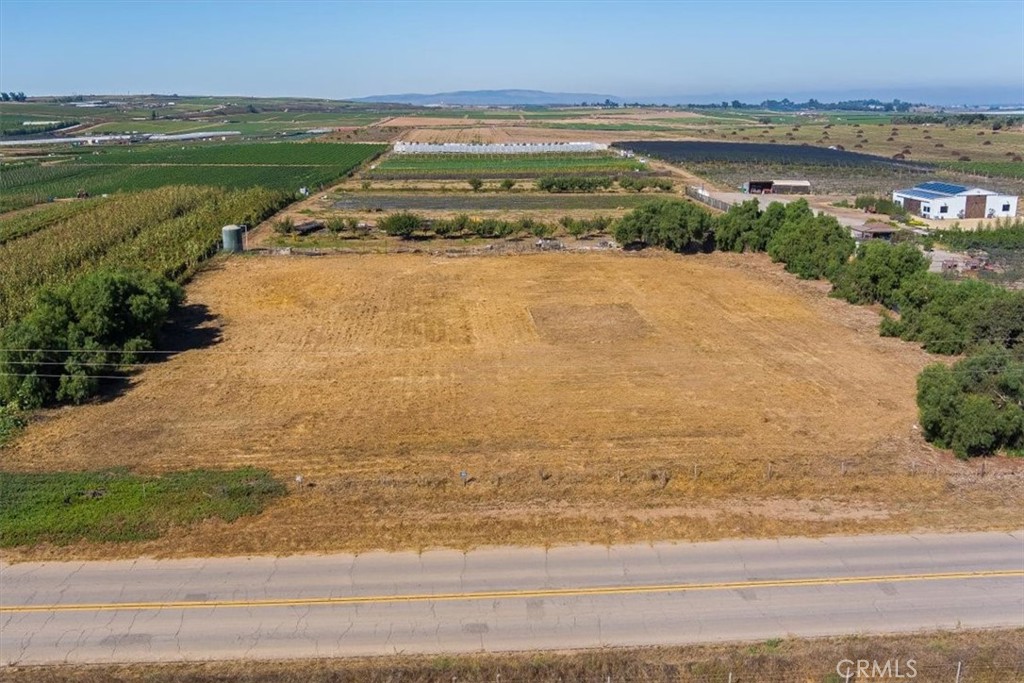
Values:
[(588, 397)]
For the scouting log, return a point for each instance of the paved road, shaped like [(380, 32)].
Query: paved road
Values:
[(506, 599)]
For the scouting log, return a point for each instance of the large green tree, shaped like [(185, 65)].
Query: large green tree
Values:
[(675, 225), (77, 334), (877, 272), (811, 246), (975, 407), (744, 227)]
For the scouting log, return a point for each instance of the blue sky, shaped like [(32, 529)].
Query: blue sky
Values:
[(947, 52)]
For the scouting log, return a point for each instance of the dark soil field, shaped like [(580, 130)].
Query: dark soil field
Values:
[(753, 152)]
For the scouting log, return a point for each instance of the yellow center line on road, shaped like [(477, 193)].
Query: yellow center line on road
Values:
[(511, 594)]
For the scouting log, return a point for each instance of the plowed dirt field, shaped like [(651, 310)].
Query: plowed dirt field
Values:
[(586, 397)]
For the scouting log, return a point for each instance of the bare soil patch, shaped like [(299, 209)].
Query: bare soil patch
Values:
[(588, 397), (585, 324)]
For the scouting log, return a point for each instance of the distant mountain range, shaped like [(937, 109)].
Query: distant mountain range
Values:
[(492, 98)]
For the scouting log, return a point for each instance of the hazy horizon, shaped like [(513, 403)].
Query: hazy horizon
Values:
[(694, 52)]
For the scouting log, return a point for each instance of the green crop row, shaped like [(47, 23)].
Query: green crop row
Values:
[(168, 231), (500, 165), (23, 224), (229, 166), (992, 169), (335, 155)]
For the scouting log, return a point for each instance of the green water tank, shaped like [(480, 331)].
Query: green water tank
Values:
[(232, 238)]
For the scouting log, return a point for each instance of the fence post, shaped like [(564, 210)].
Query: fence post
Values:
[(958, 666)]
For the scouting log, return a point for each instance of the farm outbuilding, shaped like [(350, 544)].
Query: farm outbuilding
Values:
[(873, 231), (777, 187), (937, 200)]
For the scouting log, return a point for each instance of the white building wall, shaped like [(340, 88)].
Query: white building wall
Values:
[(932, 208), (997, 204), (953, 208), (956, 206)]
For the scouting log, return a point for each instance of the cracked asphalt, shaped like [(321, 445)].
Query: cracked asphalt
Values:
[(502, 599)]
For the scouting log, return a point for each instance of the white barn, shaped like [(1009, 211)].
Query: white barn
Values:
[(935, 200)]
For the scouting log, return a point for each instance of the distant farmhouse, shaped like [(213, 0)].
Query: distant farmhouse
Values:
[(946, 200)]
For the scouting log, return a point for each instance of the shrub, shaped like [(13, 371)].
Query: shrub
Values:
[(507, 184), (11, 422), (475, 184), (402, 224), (882, 205), (558, 184), (634, 184), (285, 226)]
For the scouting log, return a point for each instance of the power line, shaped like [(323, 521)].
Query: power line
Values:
[(447, 375), (314, 352)]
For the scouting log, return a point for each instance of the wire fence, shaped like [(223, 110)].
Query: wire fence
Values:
[(542, 668), (704, 197)]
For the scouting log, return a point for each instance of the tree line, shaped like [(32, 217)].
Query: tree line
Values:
[(999, 121), (409, 225), (36, 130), (785, 104), (1002, 233), (976, 406)]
